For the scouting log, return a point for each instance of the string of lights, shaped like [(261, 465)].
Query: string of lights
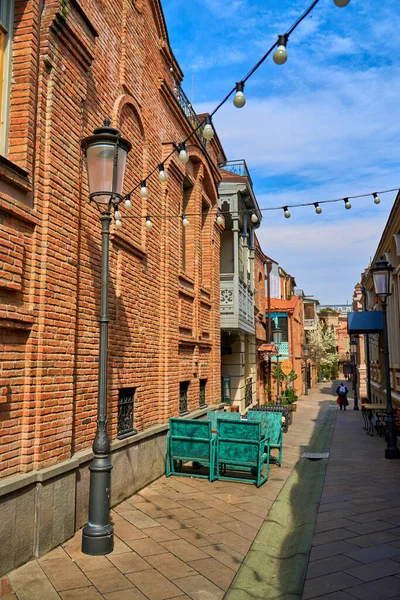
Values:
[(253, 215), (239, 100)]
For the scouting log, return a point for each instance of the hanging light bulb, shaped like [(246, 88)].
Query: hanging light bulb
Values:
[(220, 220), (128, 203), (377, 200), (341, 3), (208, 131), (183, 153), (149, 224), (239, 100), (185, 222), (117, 215), (280, 54), (162, 174), (347, 203), (254, 218), (118, 223), (286, 212), (318, 209), (144, 192)]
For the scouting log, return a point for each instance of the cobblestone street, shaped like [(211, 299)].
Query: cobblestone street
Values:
[(183, 538)]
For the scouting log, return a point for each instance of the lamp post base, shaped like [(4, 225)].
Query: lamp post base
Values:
[(97, 546), (392, 453)]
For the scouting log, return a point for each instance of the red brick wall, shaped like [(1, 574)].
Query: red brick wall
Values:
[(164, 323)]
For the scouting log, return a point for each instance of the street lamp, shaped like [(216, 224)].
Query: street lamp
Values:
[(381, 274), (306, 353), (277, 335), (353, 348), (105, 153)]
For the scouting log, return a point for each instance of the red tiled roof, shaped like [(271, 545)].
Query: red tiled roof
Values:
[(277, 304)]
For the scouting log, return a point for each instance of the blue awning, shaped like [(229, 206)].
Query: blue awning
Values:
[(365, 322)]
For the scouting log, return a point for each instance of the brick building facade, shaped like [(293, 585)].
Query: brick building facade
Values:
[(73, 63)]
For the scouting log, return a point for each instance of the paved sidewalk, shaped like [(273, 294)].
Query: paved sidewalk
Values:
[(356, 545), (179, 538)]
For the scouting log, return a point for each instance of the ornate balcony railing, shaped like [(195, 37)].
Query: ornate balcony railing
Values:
[(236, 304), (238, 167), (189, 113)]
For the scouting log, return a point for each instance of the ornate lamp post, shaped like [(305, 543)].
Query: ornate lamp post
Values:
[(306, 353), (277, 335), (382, 274), (353, 348), (105, 154)]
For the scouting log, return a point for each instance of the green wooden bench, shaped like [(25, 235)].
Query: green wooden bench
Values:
[(241, 447), (214, 416), (271, 427), (190, 440)]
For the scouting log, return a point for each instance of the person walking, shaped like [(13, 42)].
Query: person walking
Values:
[(342, 392)]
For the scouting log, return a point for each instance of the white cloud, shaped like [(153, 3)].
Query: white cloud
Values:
[(326, 260)]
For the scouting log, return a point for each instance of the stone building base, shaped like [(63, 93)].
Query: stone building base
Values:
[(42, 509)]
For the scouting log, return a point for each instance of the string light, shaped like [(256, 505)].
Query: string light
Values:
[(254, 218), (208, 131), (286, 212), (318, 209), (117, 215), (144, 192), (239, 100), (271, 208), (377, 200), (162, 174), (183, 153), (280, 54), (185, 222), (128, 203), (149, 224)]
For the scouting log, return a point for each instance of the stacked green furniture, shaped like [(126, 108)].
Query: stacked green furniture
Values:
[(241, 447), (271, 427), (214, 415), (190, 440)]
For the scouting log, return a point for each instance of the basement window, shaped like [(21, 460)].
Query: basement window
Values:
[(125, 412)]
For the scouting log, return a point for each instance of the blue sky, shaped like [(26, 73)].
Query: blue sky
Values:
[(324, 125)]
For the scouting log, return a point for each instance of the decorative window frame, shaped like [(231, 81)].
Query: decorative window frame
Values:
[(6, 38)]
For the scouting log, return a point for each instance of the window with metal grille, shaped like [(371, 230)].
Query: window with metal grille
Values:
[(125, 412), (248, 392), (203, 386), (183, 397)]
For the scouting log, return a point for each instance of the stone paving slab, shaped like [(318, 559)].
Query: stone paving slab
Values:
[(176, 539), (358, 520)]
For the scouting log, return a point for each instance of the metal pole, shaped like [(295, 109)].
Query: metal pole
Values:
[(391, 450), (98, 535), (355, 382), (367, 352), (269, 269), (278, 380), (306, 380)]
